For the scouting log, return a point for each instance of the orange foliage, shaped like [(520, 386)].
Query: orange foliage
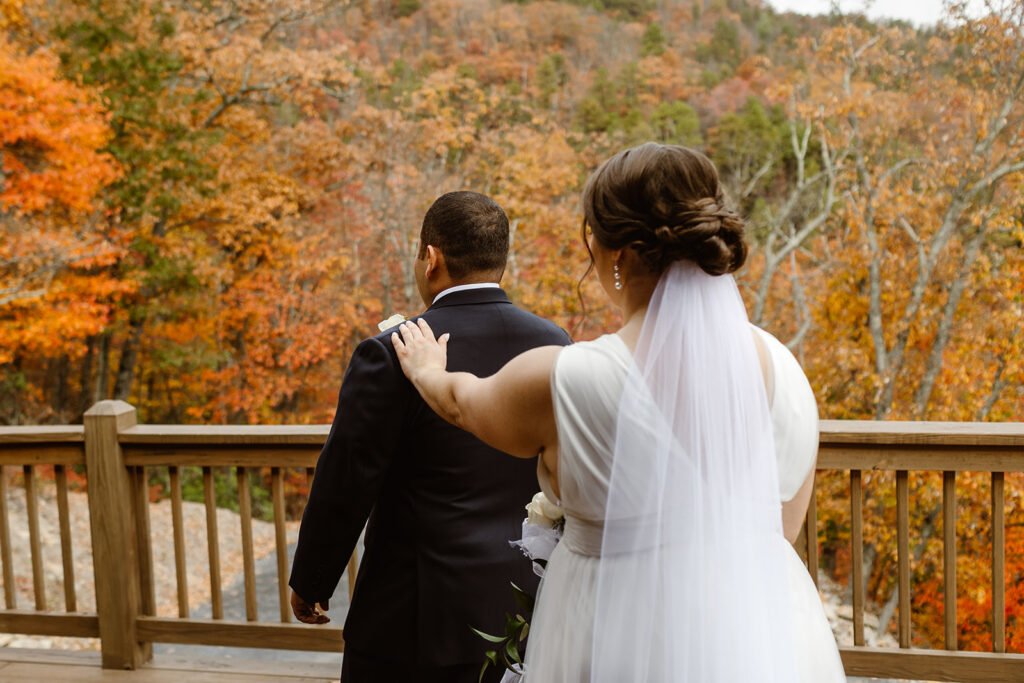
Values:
[(52, 132)]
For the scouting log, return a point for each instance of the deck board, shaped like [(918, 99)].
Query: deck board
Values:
[(56, 665)]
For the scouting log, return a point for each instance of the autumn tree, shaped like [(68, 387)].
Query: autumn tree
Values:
[(919, 257), (55, 243)]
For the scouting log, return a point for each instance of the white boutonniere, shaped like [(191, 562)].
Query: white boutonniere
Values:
[(395, 319)]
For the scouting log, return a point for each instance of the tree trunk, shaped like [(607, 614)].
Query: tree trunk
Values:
[(59, 397), (129, 359), (867, 567), (85, 379), (101, 387), (389, 305)]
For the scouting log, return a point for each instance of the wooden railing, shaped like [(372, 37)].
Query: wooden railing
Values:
[(247, 449), (901, 447), (30, 448), (119, 456)]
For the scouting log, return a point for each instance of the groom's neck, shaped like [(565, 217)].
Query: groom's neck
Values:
[(445, 283)]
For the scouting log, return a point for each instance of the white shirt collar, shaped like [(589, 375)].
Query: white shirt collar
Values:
[(463, 288)]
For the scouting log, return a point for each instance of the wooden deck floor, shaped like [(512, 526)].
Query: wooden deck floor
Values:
[(55, 665)]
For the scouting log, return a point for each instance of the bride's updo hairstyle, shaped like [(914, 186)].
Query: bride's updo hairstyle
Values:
[(665, 203)]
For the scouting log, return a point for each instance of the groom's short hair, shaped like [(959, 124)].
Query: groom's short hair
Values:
[(470, 229)]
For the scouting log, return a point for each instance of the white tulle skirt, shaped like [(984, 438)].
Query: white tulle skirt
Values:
[(561, 629), (818, 659), (559, 647)]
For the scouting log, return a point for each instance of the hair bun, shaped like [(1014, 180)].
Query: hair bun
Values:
[(703, 231), (665, 203)]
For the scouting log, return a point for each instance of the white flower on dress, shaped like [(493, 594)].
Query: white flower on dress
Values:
[(543, 513), (395, 319)]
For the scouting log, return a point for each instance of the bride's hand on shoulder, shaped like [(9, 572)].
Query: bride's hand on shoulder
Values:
[(510, 410), (418, 351)]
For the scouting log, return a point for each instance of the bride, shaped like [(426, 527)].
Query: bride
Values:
[(660, 443)]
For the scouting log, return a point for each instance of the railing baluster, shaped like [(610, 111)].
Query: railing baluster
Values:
[(143, 539), (857, 542), (281, 542), (903, 554), (10, 594), (309, 476), (249, 564), (213, 543), (949, 555), (800, 544), (180, 561), (61, 476), (32, 509), (812, 533), (998, 564), (353, 570)]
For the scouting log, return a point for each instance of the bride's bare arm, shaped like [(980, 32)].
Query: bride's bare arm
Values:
[(510, 410)]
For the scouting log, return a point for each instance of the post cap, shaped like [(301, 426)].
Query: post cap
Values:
[(109, 408)]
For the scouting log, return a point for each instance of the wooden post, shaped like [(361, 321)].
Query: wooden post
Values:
[(114, 551)]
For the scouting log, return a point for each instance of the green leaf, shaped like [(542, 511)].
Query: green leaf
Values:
[(510, 626), (524, 632), (524, 599), (513, 652), (488, 637)]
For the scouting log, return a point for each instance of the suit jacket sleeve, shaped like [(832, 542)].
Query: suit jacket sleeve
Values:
[(351, 469)]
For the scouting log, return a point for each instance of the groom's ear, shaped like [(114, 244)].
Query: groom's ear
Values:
[(435, 262)]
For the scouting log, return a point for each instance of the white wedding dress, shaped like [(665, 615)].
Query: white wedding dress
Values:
[(587, 383)]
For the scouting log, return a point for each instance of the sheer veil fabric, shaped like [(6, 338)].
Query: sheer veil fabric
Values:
[(692, 584)]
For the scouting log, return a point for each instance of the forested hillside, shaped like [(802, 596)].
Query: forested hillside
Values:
[(205, 204)]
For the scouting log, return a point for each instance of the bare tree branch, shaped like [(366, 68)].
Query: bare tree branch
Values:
[(6, 298), (241, 95), (802, 306), (998, 385), (761, 172), (942, 334)]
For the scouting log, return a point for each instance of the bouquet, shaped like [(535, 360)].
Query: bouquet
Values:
[(542, 529)]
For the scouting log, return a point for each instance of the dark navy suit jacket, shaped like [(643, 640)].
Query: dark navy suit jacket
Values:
[(442, 505)]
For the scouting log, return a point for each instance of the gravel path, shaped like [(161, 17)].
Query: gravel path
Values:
[(165, 583), (268, 609)]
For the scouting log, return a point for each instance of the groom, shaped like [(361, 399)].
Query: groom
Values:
[(442, 505)]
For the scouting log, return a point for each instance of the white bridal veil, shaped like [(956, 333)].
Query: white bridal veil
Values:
[(692, 585)]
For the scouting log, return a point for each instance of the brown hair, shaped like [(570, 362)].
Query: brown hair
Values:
[(665, 203), (470, 229)]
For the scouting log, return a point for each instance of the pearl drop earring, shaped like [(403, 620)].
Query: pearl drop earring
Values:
[(618, 279)]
